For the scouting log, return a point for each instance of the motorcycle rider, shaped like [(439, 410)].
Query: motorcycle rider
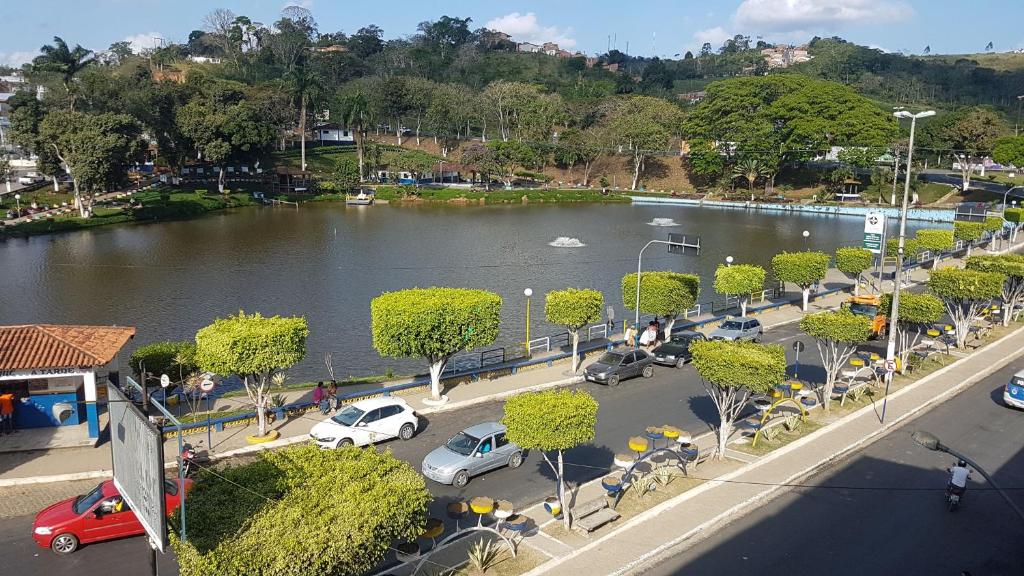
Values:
[(958, 478)]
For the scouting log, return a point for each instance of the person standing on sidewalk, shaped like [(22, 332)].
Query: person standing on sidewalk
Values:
[(6, 413)]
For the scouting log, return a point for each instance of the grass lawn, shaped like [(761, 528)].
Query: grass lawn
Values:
[(931, 192), (157, 204)]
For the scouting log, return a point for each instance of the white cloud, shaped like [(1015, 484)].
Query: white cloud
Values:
[(144, 41), (788, 16), (16, 58), (307, 4), (715, 36), (525, 28)]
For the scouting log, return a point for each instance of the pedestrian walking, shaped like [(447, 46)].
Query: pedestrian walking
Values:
[(6, 413)]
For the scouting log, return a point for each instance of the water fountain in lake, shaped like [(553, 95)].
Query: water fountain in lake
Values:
[(663, 222), (566, 242)]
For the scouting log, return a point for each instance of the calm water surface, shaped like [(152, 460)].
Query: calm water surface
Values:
[(327, 261)]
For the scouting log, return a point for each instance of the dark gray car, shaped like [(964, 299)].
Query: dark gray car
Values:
[(739, 328), (613, 367), (676, 352), (473, 451)]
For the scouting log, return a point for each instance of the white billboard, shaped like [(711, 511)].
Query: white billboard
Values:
[(137, 450)]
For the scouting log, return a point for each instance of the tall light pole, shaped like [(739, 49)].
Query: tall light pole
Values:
[(17, 201), (528, 292), (1016, 127), (890, 349), (639, 270), (931, 442)]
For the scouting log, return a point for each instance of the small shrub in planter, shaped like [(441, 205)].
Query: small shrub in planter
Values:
[(770, 432)]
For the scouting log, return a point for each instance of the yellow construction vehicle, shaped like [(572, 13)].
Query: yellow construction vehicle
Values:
[(869, 306)]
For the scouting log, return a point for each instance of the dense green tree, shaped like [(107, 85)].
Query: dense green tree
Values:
[(1012, 267), (355, 111), (837, 335), (1009, 151), (662, 293), (255, 348), (970, 133), (434, 323), (573, 308), (97, 149), (965, 293), (643, 125), (283, 512), (853, 261), (447, 115), (916, 314), (578, 147), (512, 155), (705, 162), (733, 370), (224, 122), (367, 41), (552, 421), (804, 269), (740, 280)]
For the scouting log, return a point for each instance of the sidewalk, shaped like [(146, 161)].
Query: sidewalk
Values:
[(64, 464), (641, 539)]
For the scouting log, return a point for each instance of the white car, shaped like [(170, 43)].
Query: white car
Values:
[(30, 178), (367, 422)]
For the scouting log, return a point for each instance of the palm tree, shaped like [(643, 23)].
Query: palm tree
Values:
[(750, 169), (307, 91), (61, 60), (355, 114)]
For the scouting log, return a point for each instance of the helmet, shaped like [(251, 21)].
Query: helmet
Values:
[(961, 464)]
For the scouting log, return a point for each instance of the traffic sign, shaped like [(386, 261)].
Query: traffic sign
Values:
[(165, 380), (798, 346), (890, 366), (874, 231), (206, 385)]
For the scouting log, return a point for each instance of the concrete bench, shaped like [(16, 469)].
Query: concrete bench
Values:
[(852, 390), (591, 515)]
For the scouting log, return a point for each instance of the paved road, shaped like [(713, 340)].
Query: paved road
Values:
[(672, 396), (856, 532), (955, 179)]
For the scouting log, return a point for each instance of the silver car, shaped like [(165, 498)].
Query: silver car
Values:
[(739, 328), (473, 451)]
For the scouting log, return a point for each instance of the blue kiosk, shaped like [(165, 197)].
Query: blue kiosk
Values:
[(52, 372)]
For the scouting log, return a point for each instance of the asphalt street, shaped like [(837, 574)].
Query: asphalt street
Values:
[(671, 396), (882, 510)]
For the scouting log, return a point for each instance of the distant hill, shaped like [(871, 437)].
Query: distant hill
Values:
[(999, 61), (945, 82)]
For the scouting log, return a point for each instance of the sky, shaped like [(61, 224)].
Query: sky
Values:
[(644, 28)]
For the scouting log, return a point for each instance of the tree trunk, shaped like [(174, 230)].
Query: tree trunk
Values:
[(575, 334), (419, 122), (436, 367), (670, 322), (724, 430), (806, 294), (302, 133), (220, 180), (637, 163), (56, 184), (586, 172), (83, 211), (566, 515), (359, 153), (261, 414), (743, 305)]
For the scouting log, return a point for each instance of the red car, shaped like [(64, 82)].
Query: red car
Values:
[(95, 517)]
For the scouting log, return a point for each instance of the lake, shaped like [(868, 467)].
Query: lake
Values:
[(327, 261)]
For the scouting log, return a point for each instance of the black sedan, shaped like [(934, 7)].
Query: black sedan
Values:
[(613, 367), (676, 352)]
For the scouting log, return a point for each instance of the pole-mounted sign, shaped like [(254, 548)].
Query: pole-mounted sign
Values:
[(874, 232)]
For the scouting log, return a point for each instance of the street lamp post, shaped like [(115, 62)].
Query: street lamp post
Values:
[(528, 292), (806, 235), (17, 201), (639, 269), (931, 442), (890, 350), (728, 260)]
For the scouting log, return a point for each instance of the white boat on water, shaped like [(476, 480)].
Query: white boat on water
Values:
[(361, 199)]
